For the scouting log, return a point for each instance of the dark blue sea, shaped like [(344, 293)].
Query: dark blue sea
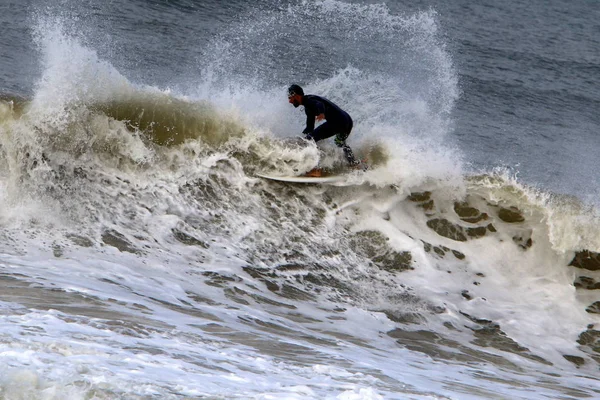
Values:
[(143, 257)]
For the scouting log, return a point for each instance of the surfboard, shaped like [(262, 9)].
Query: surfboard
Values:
[(344, 179), (306, 179)]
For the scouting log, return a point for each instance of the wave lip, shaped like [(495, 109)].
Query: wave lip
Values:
[(167, 120)]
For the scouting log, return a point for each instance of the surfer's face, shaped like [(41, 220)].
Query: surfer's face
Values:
[(295, 100)]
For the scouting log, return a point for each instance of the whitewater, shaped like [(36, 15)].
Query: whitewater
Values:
[(142, 258)]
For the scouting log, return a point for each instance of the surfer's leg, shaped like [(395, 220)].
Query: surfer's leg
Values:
[(341, 132), (340, 141), (349, 154), (323, 131)]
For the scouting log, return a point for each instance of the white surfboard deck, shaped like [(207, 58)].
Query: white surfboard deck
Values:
[(306, 179)]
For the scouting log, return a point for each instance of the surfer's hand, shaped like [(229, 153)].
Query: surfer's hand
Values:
[(320, 117)]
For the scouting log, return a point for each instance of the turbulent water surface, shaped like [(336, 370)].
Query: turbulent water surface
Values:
[(142, 258)]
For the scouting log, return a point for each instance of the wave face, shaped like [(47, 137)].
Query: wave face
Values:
[(141, 257)]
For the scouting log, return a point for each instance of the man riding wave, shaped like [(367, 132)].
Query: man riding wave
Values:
[(337, 121)]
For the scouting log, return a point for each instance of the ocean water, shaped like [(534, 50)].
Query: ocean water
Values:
[(142, 258)]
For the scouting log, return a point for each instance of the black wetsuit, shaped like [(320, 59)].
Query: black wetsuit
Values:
[(337, 122)]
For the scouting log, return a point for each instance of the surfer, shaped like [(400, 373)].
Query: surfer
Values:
[(337, 121)]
